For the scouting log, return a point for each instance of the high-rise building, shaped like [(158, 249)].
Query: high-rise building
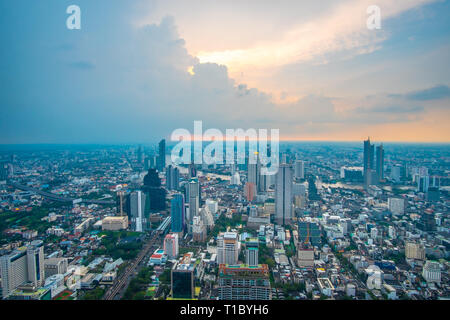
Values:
[(249, 191), (252, 169), (227, 248), (182, 278), (240, 282), (368, 162), (177, 213), (4, 170), (171, 245), (432, 271), (299, 169), (423, 183), (162, 155), (172, 178), (283, 194), (251, 251), (414, 251), (427, 222), (396, 173), (212, 205), (23, 265), (396, 205), (139, 155), (192, 171), (380, 163), (194, 198), (137, 206), (198, 229)]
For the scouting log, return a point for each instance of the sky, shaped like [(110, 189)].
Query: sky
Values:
[(139, 69)]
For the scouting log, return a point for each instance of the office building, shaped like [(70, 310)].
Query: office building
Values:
[(137, 207), (182, 278), (212, 205), (251, 251), (227, 248), (25, 265), (249, 191), (54, 266), (253, 169), (299, 169), (172, 178), (396, 173), (194, 198), (368, 163), (283, 194), (171, 245), (177, 213), (380, 163), (241, 282), (423, 183), (427, 222), (161, 160), (198, 229)]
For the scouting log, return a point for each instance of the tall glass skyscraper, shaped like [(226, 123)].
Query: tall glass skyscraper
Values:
[(177, 213), (162, 155), (380, 163), (368, 161), (283, 194)]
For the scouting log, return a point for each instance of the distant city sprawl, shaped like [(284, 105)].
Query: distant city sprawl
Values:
[(338, 220)]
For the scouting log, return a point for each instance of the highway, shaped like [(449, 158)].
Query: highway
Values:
[(56, 197), (124, 278)]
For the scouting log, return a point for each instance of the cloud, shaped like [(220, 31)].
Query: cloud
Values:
[(391, 109), (434, 93), (139, 89), (82, 65), (341, 32)]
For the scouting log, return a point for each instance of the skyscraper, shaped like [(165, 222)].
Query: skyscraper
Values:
[(368, 162), (227, 248), (177, 213), (137, 206), (172, 178), (380, 163), (194, 201), (162, 155), (283, 194), (35, 263), (139, 155), (171, 245), (299, 169), (253, 170), (182, 278), (251, 251)]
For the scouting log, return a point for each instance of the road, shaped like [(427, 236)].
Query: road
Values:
[(119, 286), (56, 197)]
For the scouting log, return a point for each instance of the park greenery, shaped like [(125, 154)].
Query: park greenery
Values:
[(94, 294), (112, 244), (138, 286)]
